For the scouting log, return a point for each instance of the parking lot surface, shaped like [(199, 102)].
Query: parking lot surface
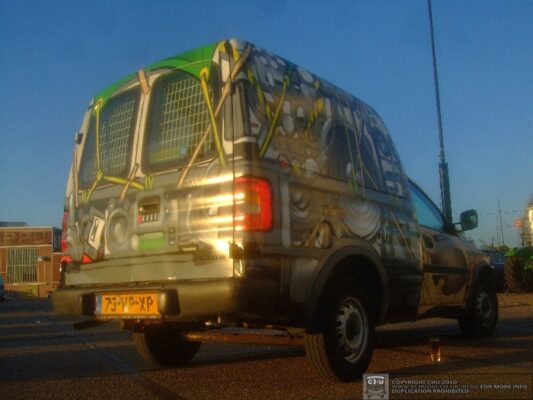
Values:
[(43, 357)]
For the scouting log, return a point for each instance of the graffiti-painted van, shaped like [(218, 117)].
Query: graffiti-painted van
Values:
[(228, 187)]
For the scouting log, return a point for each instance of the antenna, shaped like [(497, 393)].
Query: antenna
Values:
[(446, 200), (501, 222)]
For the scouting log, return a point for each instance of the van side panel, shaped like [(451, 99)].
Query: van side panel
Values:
[(340, 176)]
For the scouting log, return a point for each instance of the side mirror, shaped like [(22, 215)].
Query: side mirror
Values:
[(469, 220), (78, 137)]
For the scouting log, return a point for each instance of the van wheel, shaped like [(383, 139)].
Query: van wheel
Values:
[(163, 345), (342, 347), (481, 316)]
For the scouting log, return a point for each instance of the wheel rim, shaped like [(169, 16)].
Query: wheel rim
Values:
[(351, 329), (484, 306)]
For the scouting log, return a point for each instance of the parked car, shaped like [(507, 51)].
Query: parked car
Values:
[(3, 293), (228, 187), (497, 262)]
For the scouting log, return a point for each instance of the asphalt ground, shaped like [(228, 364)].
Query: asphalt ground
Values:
[(43, 357)]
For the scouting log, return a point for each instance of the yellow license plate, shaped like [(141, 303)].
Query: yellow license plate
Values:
[(129, 304)]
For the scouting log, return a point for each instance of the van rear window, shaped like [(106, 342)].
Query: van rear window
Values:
[(178, 118), (115, 132)]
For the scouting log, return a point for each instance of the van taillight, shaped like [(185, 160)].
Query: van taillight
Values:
[(64, 228), (253, 201)]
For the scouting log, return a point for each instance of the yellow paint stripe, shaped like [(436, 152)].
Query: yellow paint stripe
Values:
[(274, 124), (205, 90)]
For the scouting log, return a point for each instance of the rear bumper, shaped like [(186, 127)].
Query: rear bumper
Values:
[(182, 300)]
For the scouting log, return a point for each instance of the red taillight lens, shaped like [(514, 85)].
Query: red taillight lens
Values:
[(253, 200), (64, 228)]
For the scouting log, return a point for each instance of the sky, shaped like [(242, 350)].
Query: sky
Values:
[(55, 55)]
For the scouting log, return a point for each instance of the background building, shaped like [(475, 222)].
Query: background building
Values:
[(30, 258)]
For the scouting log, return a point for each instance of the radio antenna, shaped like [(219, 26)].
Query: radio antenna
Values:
[(446, 200)]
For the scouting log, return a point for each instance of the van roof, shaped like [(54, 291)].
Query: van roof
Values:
[(192, 61)]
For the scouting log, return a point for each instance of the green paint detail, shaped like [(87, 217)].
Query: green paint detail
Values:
[(111, 89), (192, 61), (152, 241)]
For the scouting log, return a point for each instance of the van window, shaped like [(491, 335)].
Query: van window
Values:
[(178, 118), (364, 166), (340, 157), (117, 124), (393, 178), (426, 212)]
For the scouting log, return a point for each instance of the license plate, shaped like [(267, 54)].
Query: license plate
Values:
[(129, 304)]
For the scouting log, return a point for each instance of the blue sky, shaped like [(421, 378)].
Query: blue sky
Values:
[(55, 55)]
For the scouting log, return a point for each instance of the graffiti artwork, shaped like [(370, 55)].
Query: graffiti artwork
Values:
[(228, 186), (123, 193)]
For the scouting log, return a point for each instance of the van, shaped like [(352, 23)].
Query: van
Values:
[(229, 187)]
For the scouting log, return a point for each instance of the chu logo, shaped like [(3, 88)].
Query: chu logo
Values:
[(375, 386)]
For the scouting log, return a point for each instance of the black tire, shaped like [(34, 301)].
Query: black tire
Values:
[(163, 346), (481, 316), (341, 345), (514, 275)]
